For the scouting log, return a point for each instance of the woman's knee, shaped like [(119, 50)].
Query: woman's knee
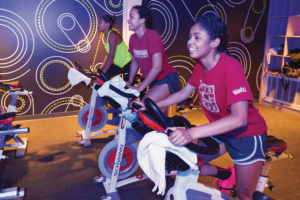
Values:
[(246, 178), (245, 191), (158, 92), (245, 195)]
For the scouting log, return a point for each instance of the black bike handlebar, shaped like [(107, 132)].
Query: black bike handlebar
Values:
[(91, 75), (212, 147)]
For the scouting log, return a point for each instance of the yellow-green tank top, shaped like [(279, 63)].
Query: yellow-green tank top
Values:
[(122, 55)]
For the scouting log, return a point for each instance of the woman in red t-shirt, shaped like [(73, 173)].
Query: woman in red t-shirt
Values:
[(148, 55), (227, 102)]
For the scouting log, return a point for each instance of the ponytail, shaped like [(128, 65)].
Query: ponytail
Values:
[(111, 19)]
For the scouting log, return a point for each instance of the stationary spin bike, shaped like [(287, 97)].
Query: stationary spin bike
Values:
[(95, 115), (118, 160), (186, 185), (10, 132)]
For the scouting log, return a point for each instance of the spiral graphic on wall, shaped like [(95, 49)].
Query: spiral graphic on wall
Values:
[(210, 8), (17, 45), (113, 7), (59, 66), (63, 104), (232, 3), (241, 53), (184, 66), (167, 17), (258, 76), (72, 30), (24, 103)]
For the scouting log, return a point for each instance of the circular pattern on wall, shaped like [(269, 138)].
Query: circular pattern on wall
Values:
[(45, 79), (167, 17), (18, 40), (258, 76), (113, 7), (241, 53), (184, 66), (24, 103), (63, 104), (71, 31), (232, 3), (217, 10), (255, 13)]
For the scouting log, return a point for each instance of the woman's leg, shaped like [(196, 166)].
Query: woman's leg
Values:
[(246, 179), (125, 71), (113, 71), (157, 93), (207, 169)]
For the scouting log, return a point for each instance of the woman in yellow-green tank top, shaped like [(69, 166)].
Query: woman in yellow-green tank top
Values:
[(118, 58)]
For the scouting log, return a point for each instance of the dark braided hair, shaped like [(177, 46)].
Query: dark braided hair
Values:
[(216, 28), (144, 12)]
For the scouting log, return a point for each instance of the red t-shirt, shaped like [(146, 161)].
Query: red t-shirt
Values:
[(222, 86), (143, 48)]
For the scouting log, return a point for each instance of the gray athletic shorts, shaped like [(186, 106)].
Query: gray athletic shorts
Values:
[(244, 150), (172, 80)]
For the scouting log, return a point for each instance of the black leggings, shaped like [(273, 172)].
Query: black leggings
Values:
[(116, 70)]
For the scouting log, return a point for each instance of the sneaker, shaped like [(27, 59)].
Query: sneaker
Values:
[(226, 185)]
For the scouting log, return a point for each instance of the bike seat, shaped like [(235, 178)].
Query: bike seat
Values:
[(117, 93), (275, 144), (7, 118)]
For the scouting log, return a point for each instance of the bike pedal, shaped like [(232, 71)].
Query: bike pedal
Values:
[(270, 186), (99, 179)]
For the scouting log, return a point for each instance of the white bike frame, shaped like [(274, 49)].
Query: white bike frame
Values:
[(20, 144), (86, 134), (188, 181), (112, 184)]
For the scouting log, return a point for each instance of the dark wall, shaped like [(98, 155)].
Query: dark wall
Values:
[(41, 39)]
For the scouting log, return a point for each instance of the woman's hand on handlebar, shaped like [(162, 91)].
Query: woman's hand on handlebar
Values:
[(179, 136), (138, 105), (128, 84)]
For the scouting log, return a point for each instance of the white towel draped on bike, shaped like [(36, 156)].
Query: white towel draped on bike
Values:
[(76, 77), (151, 156), (120, 84)]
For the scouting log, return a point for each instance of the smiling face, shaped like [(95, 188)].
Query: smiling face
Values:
[(134, 20), (200, 43)]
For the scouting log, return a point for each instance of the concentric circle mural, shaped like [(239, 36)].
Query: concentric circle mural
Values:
[(17, 45), (41, 40), (66, 33)]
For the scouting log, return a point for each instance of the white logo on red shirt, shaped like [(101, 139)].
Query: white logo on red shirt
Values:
[(208, 98), (240, 90), (143, 53)]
